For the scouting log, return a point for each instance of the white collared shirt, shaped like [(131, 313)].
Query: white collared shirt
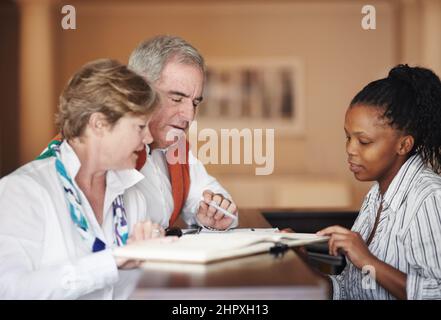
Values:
[(42, 255), (157, 190), (408, 235)]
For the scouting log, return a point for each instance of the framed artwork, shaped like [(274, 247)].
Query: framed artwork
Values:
[(253, 93)]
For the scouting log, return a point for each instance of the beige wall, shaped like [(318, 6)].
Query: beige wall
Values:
[(338, 57)]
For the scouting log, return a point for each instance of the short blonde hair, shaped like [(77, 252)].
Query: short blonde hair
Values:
[(104, 86)]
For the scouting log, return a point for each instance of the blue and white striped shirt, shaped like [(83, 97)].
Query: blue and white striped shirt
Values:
[(408, 235)]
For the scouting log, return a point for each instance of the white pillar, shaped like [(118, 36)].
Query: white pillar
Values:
[(36, 77)]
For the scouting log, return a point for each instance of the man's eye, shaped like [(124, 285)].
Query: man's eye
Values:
[(176, 99), (364, 142), (142, 127)]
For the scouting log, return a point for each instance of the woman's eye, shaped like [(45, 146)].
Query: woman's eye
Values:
[(142, 127), (364, 142)]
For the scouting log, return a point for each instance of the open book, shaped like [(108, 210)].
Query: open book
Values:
[(209, 247)]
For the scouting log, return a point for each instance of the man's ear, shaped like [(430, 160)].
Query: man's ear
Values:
[(406, 145), (97, 123)]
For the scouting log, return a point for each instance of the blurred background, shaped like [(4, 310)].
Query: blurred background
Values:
[(338, 57)]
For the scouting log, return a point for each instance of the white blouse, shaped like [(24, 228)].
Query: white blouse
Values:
[(408, 235), (157, 190), (42, 255)]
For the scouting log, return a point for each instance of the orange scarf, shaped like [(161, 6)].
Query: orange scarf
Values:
[(179, 178)]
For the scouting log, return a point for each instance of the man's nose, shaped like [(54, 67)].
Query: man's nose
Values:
[(187, 111)]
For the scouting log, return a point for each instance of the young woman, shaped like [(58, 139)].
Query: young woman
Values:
[(393, 130)]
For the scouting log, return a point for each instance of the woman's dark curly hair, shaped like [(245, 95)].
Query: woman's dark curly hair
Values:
[(411, 100)]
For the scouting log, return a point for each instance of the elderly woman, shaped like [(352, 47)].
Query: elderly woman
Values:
[(61, 214)]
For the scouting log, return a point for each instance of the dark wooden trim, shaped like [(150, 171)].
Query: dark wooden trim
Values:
[(9, 106)]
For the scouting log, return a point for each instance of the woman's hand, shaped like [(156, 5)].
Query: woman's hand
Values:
[(126, 263), (146, 230), (350, 243), (300, 250), (141, 231)]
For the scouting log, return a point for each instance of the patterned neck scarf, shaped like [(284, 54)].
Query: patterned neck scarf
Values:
[(73, 201)]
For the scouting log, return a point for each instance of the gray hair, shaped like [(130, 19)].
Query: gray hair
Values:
[(150, 56)]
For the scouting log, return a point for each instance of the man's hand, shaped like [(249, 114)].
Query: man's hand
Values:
[(210, 216)]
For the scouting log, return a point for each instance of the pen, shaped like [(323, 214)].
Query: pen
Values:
[(174, 231), (213, 204)]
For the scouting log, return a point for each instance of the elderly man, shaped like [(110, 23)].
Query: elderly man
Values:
[(175, 69)]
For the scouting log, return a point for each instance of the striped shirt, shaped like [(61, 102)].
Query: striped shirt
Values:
[(408, 236)]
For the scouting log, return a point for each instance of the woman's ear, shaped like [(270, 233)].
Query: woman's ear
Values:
[(406, 145), (97, 123)]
